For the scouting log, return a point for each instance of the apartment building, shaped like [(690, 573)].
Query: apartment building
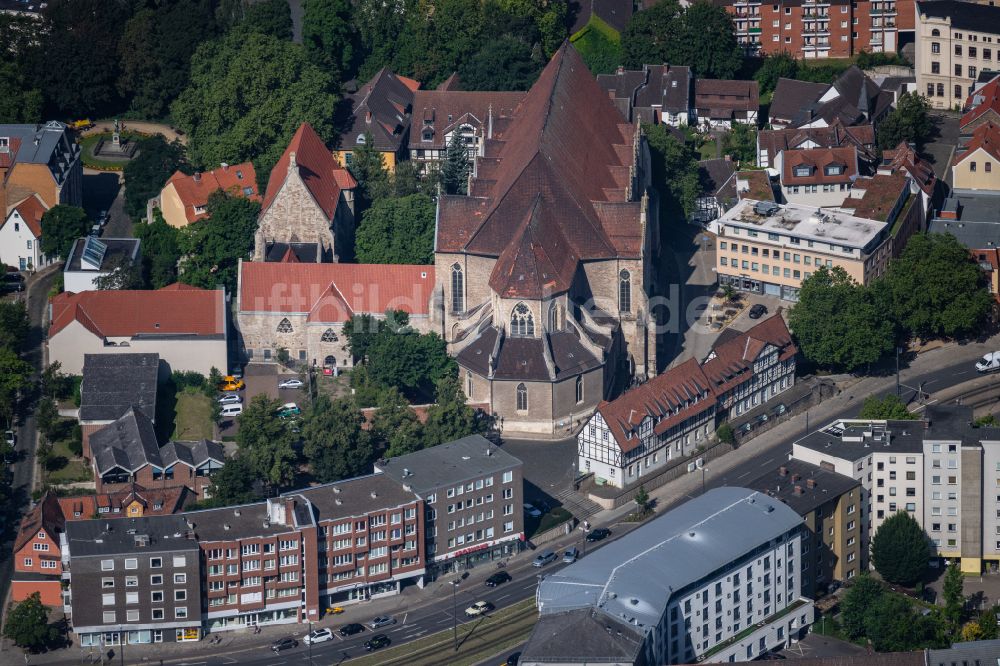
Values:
[(820, 28), (955, 41), (668, 417), (832, 541), (976, 164), (770, 249), (772, 145), (474, 495), (717, 579), (818, 176)]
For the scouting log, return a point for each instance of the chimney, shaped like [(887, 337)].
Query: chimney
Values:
[(796, 477), (798, 490), (368, 117), (225, 167), (197, 176), (810, 483), (782, 471)]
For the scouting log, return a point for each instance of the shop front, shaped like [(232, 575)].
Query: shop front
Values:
[(475, 556)]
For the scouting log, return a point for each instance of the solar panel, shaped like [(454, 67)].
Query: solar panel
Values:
[(93, 253)]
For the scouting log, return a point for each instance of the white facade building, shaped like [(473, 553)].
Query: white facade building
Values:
[(21, 235)]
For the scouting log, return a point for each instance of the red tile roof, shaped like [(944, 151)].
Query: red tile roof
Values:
[(904, 158), (860, 136), (981, 102), (193, 191), (722, 97), (31, 210), (559, 170), (323, 177), (986, 137), (729, 361), (818, 159), (333, 292), (439, 111), (126, 313), (46, 515)]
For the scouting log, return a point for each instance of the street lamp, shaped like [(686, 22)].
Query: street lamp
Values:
[(454, 611)]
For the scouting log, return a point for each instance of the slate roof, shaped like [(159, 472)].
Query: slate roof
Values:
[(113, 383), (789, 483), (862, 137), (440, 111), (582, 635), (568, 194), (30, 209), (194, 190), (448, 464), (718, 178), (791, 97), (976, 225), (963, 15), (638, 94), (323, 176), (40, 144), (117, 536), (817, 160), (130, 444), (334, 292), (353, 497), (858, 100), (382, 107), (973, 653), (861, 91), (164, 312)]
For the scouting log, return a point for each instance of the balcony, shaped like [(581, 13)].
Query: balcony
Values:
[(754, 31)]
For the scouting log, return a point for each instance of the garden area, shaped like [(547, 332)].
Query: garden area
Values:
[(105, 161), (186, 408), (60, 445)]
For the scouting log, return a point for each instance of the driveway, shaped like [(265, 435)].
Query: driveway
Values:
[(263, 378), (816, 646)]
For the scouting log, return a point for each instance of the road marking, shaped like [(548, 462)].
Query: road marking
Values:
[(742, 475), (503, 597), (447, 619), (768, 461), (405, 615)]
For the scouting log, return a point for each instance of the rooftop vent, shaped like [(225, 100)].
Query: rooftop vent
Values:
[(236, 512), (336, 490), (225, 526), (338, 501), (374, 495)]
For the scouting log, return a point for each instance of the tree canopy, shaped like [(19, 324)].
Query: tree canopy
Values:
[(61, 225), (20, 101), (775, 66), (900, 549), (457, 166), (248, 94), (215, 244), (675, 168), (397, 231), (268, 17), (887, 407), (14, 325), (15, 381), (741, 143), (506, 62), (161, 250), (235, 483), (329, 36), (266, 442), (148, 172), (909, 121), (837, 322), (395, 426), (450, 418), (28, 624), (333, 442)]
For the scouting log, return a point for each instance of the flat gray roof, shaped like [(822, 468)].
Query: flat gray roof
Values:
[(977, 226), (447, 464), (244, 521), (633, 578), (808, 222), (795, 492), (355, 497), (118, 536), (854, 439)]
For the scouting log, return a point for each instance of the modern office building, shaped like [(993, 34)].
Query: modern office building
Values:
[(716, 579)]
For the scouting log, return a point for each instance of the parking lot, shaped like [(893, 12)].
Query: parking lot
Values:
[(263, 379)]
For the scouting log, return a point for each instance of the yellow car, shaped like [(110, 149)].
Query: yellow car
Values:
[(230, 383), (336, 610)]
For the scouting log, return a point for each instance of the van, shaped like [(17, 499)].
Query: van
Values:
[(989, 362), (232, 410)]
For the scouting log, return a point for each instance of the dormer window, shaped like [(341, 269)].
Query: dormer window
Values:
[(834, 169), (803, 171), (360, 140), (428, 135), (239, 175), (200, 209), (4, 144)]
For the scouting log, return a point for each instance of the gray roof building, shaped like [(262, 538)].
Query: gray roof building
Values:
[(448, 464), (355, 497), (102, 538), (963, 15), (110, 252), (113, 383), (260, 519), (644, 94), (971, 217), (790, 484), (977, 653), (130, 444), (849, 440)]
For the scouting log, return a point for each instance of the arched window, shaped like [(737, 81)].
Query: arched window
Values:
[(329, 336), (468, 384), (522, 323), (624, 291), (330, 361), (522, 398), (935, 33), (579, 389), (457, 289), (284, 326)]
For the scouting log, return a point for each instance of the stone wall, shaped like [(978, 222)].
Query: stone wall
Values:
[(294, 217)]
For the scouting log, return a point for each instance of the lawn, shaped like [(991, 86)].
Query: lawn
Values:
[(707, 149), (193, 416), (72, 471), (547, 521)]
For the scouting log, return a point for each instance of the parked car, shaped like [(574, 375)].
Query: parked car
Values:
[(382, 621), (318, 636), (478, 608), (284, 644), (499, 578), (512, 659), (569, 557), (530, 510), (289, 409), (598, 534), (230, 383), (95, 230), (234, 409), (230, 399), (544, 559), (377, 641), (102, 218), (989, 362), (758, 311), (291, 384), (351, 629), (10, 438)]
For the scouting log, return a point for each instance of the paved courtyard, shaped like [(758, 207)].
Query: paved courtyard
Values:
[(940, 149)]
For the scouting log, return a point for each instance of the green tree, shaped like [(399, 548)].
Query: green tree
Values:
[(456, 168), (837, 322), (900, 549), (599, 45), (989, 628), (161, 250), (641, 500), (651, 33), (886, 407), (360, 331), (954, 598), (268, 17), (123, 273), (863, 595), (708, 42), (329, 36), (215, 244), (892, 626), (61, 225), (935, 288), (28, 624), (406, 180), (909, 121), (146, 175), (380, 24), (397, 231), (248, 94), (725, 434), (503, 63), (235, 483), (46, 416), (266, 442), (410, 361), (155, 52), (395, 426), (368, 168), (438, 41), (775, 66), (741, 143), (675, 169), (19, 101), (450, 417), (333, 441), (14, 325)]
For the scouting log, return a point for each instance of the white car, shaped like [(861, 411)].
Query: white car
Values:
[(9, 437), (230, 399), (318, 636), (382, 621), (989, 362), (530, 510), (291, 384), (478, 608)]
